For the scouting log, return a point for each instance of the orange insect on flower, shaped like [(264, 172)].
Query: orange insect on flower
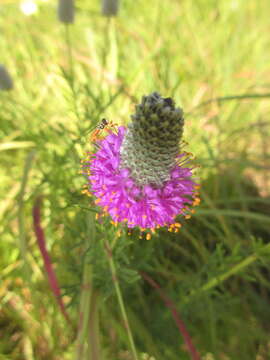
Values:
[(104, 124)]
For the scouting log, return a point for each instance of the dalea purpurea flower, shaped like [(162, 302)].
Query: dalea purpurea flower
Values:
[(140, 175), (66, 11), (6, 82), (109, 7)]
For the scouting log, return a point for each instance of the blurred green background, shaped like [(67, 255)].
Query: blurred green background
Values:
[(66, 78)]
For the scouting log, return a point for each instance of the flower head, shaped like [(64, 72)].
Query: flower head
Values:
[(66, 11), (109, 7), (139, 174), (6, 82)]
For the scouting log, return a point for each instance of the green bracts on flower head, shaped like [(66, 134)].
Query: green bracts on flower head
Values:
[(151, 144)]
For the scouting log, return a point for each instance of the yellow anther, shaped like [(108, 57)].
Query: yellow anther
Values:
[(187, 216), (148, 236), (97, 201)]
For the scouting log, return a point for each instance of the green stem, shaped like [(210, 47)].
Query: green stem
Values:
[(22, 240), (229, 98), (93, 351), (86, 291), (71, 79), (84, 312), (120, 299), (70, 59)]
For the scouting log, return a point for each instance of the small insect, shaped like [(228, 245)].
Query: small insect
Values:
[(104, 122), (101, 126)]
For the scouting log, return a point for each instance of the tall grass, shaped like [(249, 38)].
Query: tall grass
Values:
[(212, 58)]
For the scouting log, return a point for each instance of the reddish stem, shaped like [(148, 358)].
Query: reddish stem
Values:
[(175, 314), (46, 257)]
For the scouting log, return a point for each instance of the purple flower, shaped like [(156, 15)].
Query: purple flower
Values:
[(144, 184)]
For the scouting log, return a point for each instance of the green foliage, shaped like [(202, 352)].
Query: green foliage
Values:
[(216, 269)]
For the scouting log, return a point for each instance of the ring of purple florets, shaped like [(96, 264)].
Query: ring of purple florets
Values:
[(146, 207)]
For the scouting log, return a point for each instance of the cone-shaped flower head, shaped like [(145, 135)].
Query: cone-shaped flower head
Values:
[(109, 7), (139, 174), (66, 11), (151, 143), (6, 82)]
